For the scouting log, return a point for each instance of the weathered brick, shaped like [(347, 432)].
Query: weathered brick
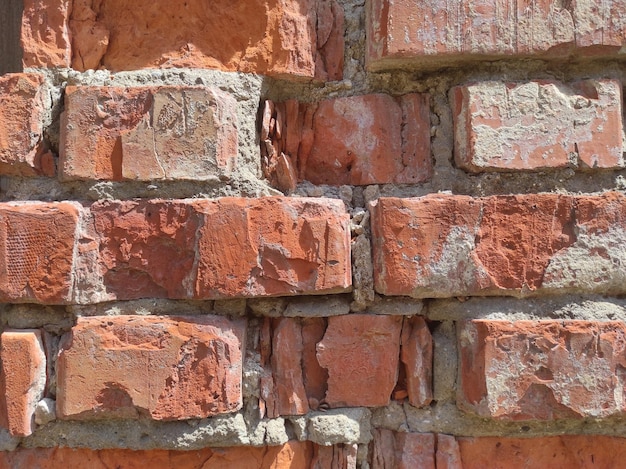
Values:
[(527, 126), (565, 451), (445, 245), (432, 32), (222, 248), (358, 140), (448, 454), (22, 379), (297, 38), (37, 251), (273, 246), (45, 33), (416, 355), (293, 381), (143, 133), (361, 353), (293, 454), (542, 369), (167, 368), (146, 248), (23, 151), (403, 450)]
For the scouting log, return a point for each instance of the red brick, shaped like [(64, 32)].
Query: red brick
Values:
[(361, 353), (22, 379), (535, 125), (298, 38), (358, 140), (293, 454), (555, 452), (432, 32), (448, 455), (416, 354), (222, 248), (273, 246), (294, 382), (45, 33), (37, 251), (341, 456), (22, 106), (403, 450), (445, 245), (146, 248), (166, 368), (542, 369), (147, 133)]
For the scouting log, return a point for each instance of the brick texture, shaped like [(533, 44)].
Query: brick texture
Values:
[(22, 379), (432, 32), (166, 368), (37, 251), (535, 125), (444, 245), (542, 369), (23, 151), (147, 133), (45, 35), (358, 140), (293, 38)]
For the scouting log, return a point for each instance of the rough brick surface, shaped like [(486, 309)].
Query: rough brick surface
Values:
[(359, 140), (222, 248), (562, 452), (273, 246), (22, 107), (361, 353), (289, 455), (542, 370), (403, 450), (167, 368), (147, 133), (45, 33), (416, 354), (22, 379), (427, 32), (37, 251), (535, 125), (301, 38), (443, 245)]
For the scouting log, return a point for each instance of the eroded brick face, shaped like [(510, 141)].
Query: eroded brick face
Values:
[(358, 140), (432, 32), (542, 370), (37, 251), (164, 368), (445, 245), (536, 125), (22, 379), (23, 105), (146, 134)]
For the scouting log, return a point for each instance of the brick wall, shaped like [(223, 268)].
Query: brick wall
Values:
[(324, 234)]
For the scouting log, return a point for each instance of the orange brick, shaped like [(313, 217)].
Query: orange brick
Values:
[(434, 32), (361, 353), (544, 370), (22, 379), (535, 125), (301, 39), (446, 245), (562, 452), (273, 246), (22, 107), (358, 140), (45, 33), (147, 133), (166, 368), (37, 251)]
